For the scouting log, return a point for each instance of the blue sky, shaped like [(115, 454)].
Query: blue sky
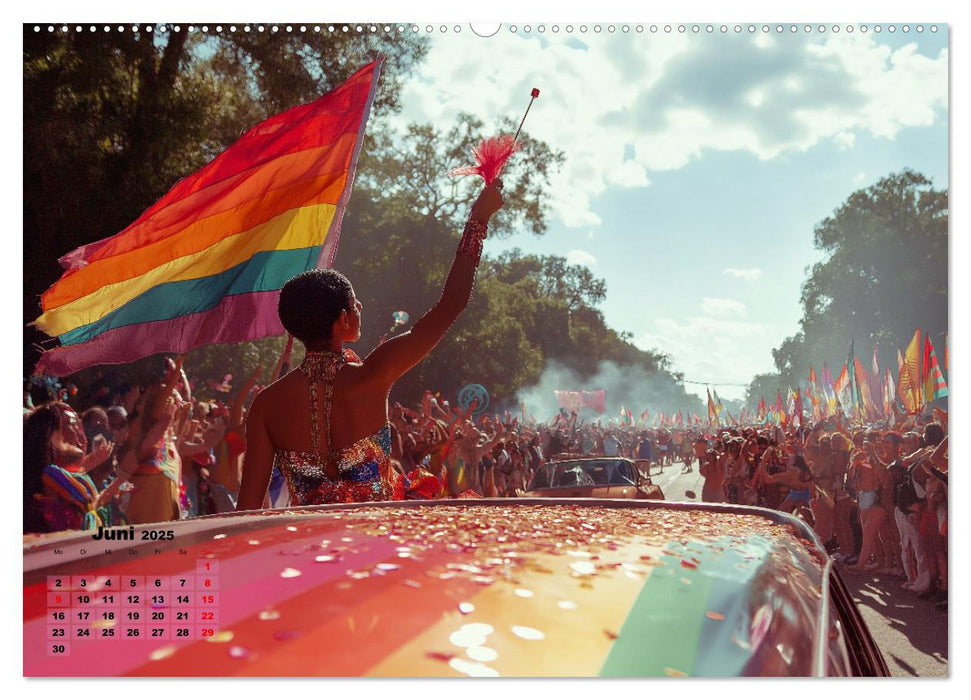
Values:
[(698, 164)]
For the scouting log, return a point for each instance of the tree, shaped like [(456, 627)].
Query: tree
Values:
[(884, 275)]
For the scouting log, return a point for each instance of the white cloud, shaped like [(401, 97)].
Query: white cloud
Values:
[(749, 275), (621, 106), (581, 257), (714, 306), (845, 139), (712, 350)]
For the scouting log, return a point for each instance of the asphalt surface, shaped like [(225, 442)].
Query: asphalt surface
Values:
[(912, 633)]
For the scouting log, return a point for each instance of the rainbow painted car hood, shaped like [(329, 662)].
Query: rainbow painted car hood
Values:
[(483, 588)]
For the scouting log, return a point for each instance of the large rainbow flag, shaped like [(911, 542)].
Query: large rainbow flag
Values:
[(206, 262)]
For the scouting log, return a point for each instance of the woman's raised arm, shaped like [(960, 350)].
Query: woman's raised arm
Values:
[(392, 359)]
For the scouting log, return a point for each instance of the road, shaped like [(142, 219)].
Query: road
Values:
[(911, 633)]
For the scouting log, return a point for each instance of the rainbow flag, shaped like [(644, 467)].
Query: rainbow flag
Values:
[(206, 262), (934, 385)]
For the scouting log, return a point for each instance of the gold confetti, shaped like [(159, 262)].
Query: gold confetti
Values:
[(221, 637), (269, 615), (712, 615), (162, 653), (675, 673)]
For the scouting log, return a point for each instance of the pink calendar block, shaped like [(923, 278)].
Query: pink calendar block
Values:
[(82, 632), (182, 582), (83, 599), (133, 616), (83, 616), (157, 583), (106, 633), (207, 583), (105, 615), (58, 648), (59, 600), (58, 583), (184, 599), (207, 616), (158, 632), (207, 566), (183, 632), (107, 599), (132, 632), (132, 583), (58, 633)]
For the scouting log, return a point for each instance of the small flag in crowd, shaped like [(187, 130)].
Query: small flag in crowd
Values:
[(934, 386), (909, 385), (829, 391)]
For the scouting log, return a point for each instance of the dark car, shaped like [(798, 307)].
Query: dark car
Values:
[(542, 587), (596, 477)]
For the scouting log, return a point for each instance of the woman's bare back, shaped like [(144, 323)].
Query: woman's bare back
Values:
[(358, 410)]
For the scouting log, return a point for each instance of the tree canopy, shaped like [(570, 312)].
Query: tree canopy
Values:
[(883, 276)]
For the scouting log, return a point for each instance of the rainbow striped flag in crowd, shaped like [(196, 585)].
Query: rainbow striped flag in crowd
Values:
[(934, 385), (206, 262)]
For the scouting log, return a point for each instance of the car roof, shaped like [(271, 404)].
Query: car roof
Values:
[(542, 587)]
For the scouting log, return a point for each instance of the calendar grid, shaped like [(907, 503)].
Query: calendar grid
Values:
[(178, 607)]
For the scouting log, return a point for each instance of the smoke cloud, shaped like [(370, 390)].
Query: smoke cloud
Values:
[(632, 387)]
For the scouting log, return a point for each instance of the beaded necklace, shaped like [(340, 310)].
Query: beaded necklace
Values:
[(320, 367)]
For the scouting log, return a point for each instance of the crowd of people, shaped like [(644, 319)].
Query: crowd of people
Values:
[(877, 497)]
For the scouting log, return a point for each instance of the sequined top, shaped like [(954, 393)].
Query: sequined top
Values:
[(364, 468)]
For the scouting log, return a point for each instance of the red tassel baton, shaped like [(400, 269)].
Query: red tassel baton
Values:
[(491, 155)]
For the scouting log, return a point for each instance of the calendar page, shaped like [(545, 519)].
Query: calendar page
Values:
[(629, 326)]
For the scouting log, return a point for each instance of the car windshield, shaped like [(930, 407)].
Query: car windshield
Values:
[(606, 472)]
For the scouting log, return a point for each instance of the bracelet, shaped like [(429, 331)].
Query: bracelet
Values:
[(471, 243)]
